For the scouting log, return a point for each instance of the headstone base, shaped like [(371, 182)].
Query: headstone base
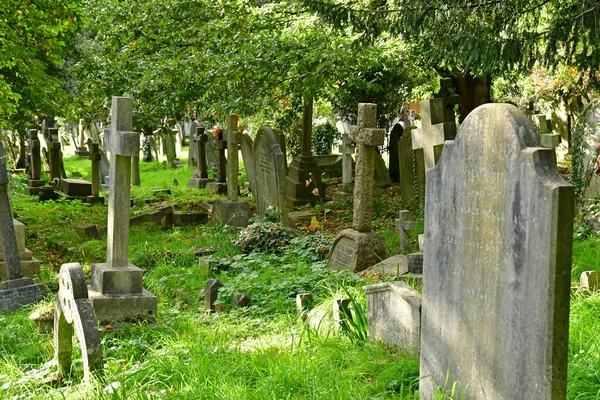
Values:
[(123, 307), (303, 170), (94, 200), (82, 152), (75, 189), (116, 281), (394, 315), (176, 163), (229, 212), (199, 183), (30, 266), (217, 187), (47, 193), (356, 251), (34, 187), (19, 292)]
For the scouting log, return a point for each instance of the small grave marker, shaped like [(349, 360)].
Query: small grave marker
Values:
[(404, 225)]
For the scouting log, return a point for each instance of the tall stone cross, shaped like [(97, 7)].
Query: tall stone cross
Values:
[(404, 224), (117, 291), (232, 154), (449, 98), (366, 136), (347, 150), (123, 144), (434, 131)]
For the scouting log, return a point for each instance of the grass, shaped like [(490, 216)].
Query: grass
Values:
[(262, 352)]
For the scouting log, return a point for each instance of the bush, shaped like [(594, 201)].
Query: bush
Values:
[(323, 137), (264, 237)]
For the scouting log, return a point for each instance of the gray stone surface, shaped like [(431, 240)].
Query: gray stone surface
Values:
[(200, 176), (270, 168), (496, 274), (247, 148), (233, 155), (230, 212), (404, 226), (394, 315), (211, 293), (75, 189), (242, 300), (298, 218), (406, 169), (74, 314), (414, 262)]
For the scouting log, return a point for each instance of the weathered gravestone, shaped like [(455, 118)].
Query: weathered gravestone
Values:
[(270, 173), (170, 137), (345, 191), (404, 225), (81, 150), (407, 170), (35, 168), (359, 248), (232, 211), (16, 290), (56, 163), (200, 176), (96, 158), (75, 189), (211, 293), (193, 148), (220, 186), (247, 148), (117, 293), (394, 315), (74, 314), (497, 263)]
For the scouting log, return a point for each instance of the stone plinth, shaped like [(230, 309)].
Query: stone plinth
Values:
[(230, 212), (216, 188), (75, 189)]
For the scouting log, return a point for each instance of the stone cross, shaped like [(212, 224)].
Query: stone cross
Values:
[(404, 225), (221, 162), (232, 154), (547, 138), (366, 136), (123, 144), (201, 138), (449, 98), (433, 131), (55, 154), (347, 150)]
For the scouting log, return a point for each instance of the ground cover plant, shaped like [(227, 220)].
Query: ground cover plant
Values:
[(263, 351)]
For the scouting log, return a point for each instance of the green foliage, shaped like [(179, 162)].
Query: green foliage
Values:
[(263, 237), (323, 137), (355, 326), (581, 174)]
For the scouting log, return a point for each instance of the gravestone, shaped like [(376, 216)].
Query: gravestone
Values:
[(242, 300), (117, 293), (104, 163), (433, 132), (96, 159), (497, 263), (359, 248), (55, 154), (407, 168), (232, 211), (200, 176), (247, 148), (16, 290), (345, 191), (74, 314), (269, 165), (404, 225), (212, 150), (394, 315), (220, 186), (35, 169), (395, 135), (75, 189), (81, 150), (211, 292), (193, 148), (547, 138), (171, 142), (449, 98)]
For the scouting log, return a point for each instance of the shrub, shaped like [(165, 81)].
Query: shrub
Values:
[(264, 237)]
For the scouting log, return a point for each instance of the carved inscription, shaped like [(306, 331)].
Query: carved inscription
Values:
[(343, 253)]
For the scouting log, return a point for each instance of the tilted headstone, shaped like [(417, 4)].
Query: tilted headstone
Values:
[(269, 165), (497, 263), (211, 292), (242, 300), (117, 293), (200, 176), (404, 225), (359, 248), (74, 314), (231, 211), (16, 291)]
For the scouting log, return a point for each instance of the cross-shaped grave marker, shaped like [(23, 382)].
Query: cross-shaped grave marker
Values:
[(347, 150), (404, 225), (117, 292), (220, 186), (199, 178), (434, 131)]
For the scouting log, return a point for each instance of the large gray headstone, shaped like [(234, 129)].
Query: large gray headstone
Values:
[(496, 273), (270, 172)]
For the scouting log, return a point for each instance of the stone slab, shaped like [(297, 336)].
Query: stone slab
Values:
[(181, 218), (216, 188), (230, 212), (115, 281), (394, 315), (123, 307), (296, 218), (11, 299)]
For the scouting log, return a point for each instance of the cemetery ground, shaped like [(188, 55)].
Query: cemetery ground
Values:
[(261, 352)]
